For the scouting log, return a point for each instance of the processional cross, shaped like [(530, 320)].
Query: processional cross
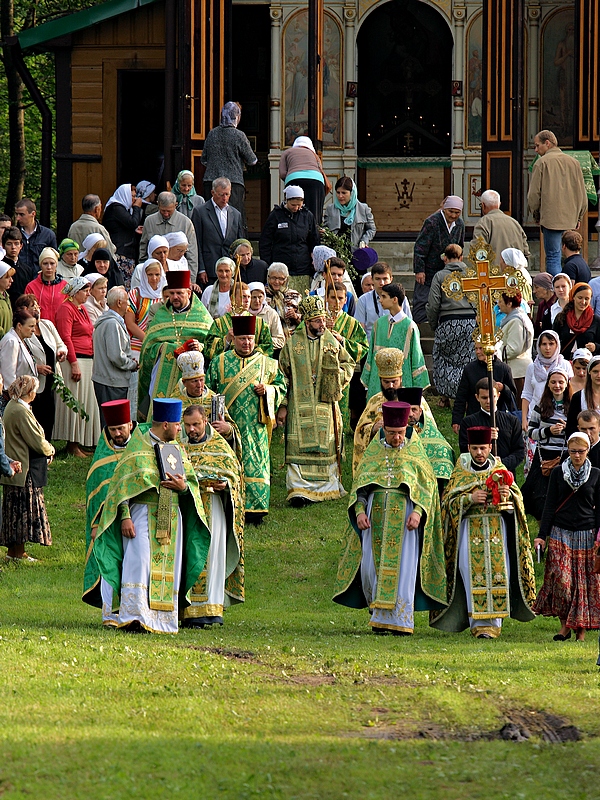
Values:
[(482, 285)]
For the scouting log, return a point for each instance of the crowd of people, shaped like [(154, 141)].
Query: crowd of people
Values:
[(155, 340)]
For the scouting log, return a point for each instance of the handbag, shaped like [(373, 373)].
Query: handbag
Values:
[(548, 464)]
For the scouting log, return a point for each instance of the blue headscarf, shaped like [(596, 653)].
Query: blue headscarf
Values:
[(347, 212)]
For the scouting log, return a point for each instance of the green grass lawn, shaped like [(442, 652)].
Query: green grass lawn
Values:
[(292, 698)]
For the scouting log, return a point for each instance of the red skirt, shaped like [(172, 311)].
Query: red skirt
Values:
[(571, 589)]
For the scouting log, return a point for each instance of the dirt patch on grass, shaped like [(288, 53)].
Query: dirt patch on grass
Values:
[(305, 678), (227, 652), (520, 726)]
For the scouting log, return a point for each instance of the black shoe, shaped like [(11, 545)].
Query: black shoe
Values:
[(379, 631), (484, 636), (558, 637), (134, 627), (254, 518), (202, 622), (299, 502), (401, 633)]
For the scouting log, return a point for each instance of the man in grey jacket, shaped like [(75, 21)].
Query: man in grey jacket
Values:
[(497, 228), (168, 220), (113, 360)]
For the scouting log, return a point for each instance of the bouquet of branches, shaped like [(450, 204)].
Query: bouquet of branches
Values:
[(342, 246), (67, 396)]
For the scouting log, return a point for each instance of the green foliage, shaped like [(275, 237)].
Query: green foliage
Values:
[(41, 65), (292, 698), (342, 246)]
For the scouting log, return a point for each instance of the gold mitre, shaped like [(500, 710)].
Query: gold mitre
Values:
[(191, 365), (311, 306), (389, 362)]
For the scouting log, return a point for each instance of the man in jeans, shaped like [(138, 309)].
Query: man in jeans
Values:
[(557, 198)]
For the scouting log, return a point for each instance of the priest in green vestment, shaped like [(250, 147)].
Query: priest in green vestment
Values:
[(221, 482), (393, 560), (395, 330), (181, 321), (220, 335), (349, 333), (152, 539), (254, 387), (317, 369), (115, 437), (488, 550)]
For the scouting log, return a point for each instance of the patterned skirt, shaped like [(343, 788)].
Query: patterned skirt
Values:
[(126, 267), (571, 589), (24, 517), (453, 348)]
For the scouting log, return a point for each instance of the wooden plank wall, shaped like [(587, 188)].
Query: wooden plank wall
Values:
[(131, 41), (401, 198)]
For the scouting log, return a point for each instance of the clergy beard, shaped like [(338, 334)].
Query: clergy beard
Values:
[(390, 394)]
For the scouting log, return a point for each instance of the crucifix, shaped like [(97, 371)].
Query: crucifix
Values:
[(482, 286)]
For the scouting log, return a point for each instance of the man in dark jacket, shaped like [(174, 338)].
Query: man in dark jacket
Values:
[(465, 402), (290, 235), (12, 242), (508, 434), (35, 236), (217, 224), (439, 230)]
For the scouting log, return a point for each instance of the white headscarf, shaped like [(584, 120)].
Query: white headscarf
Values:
[(256, 286), (320, 254), (175, 238), (87, 244), (304, 141), (157, 241), (145, 289), (123, 196)]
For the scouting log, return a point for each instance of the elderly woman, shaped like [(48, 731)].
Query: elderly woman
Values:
[(251, 269), (185, 192), (123, 218), (15, 357), (577, 325), (300, 165), (24, 518), (48, 286), (158, 248), (68, 267), (278, 298), (95, 305), (89, 246), (76, 329), (178, 247), (347, 216), (260, 308), (570, 522), (102, 263), (226, 150), (47, 348), (517, 339), (453, 322), (216, 297), (289, 235)]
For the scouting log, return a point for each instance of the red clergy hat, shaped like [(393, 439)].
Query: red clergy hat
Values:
[(116, 412), (178, 279), (244, 326), (479, 435), (395, 414)]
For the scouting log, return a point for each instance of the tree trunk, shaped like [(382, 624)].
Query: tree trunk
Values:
[(16, 114)]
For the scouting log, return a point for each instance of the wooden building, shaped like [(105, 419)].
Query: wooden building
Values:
[(421, 98)]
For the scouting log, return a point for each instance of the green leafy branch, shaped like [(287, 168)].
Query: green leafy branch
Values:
[(67, 396), (342, 246)]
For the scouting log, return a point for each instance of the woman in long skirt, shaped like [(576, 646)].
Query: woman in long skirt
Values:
[(571, 589), (24, 517)]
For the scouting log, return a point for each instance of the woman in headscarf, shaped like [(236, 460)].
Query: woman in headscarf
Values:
[(48, 285), (300, 165), (68, 267), (513, 257), (216, 297), (347, 216), (577, 325), (517, 339), (123, 218), (103, 263), (251, 269), (226, 150), (278, 297), (95, 305), (89, 246), (548, 357), (146, 192), (141, 299), (185, 192), (75, 329), (260, 308), (570, 522)]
